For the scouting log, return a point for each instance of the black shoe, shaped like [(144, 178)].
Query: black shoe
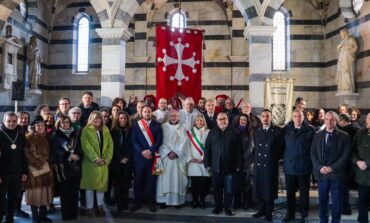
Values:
[(21, 214), (46, 220), (135, 207), (194, 204), (202, 204), (51, 208), (163, 206), (258, 214), (178, 206), (152, 208), (228, 212), (288, 218), (217, 210), (304, 220), (268, 217), (347, 211)]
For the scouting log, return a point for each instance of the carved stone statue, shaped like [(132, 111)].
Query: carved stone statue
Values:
[(346, 62), (33, 62)]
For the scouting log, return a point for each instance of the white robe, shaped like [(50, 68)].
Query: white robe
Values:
[(197, 169), (188, 118), (162, 116), (171, 187)]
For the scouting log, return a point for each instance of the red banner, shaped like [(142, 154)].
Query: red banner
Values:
[(179, 62)]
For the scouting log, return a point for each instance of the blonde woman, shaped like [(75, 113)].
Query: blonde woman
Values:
[(97, 147), (200, 178)]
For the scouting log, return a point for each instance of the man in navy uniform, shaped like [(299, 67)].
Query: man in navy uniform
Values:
[(268, 148), (147, 137)]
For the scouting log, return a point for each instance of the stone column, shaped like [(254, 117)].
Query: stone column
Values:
[(260, 62), (113, 63)]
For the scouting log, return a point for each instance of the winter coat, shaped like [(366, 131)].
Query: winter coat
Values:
[(95, 177), (297, 149), (361, 148)]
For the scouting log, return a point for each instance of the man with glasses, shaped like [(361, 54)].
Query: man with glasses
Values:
[(267, 151), (63, 106), (13, 168), (222, 156)]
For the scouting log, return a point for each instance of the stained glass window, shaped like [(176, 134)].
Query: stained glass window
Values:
[(83, 45), (178, 21), (357, 4), (279, 43)]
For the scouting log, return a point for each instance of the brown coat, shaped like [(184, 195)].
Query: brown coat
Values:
[(37, 152)]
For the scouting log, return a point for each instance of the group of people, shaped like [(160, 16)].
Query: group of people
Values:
[(92, 155)]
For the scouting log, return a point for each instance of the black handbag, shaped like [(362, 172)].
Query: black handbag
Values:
[(66, 171)]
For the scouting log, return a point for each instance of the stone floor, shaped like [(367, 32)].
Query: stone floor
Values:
[(185, 214)]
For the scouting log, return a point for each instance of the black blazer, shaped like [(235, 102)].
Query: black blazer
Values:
[(338, 157)]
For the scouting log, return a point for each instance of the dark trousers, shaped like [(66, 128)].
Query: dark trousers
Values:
[(302, 182), (200, 187), (335, 188), (346, 206), (144, 183), (244, 198), (222, 199), (9, 190), (363, 203), (265, 206), (69, 198)]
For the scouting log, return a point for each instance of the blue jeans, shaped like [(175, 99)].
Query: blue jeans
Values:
[(335, 187)]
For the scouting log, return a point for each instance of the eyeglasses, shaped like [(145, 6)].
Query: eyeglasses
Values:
[(222, 119)]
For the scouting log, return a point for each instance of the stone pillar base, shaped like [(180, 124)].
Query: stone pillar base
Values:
[(348, 98)]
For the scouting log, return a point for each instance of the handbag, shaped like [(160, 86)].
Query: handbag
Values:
[(157, 168), (67, 171), (44, 170)]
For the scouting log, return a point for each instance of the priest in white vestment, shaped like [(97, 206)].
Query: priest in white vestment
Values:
[(171, 187), (162, 112), (188, 113)]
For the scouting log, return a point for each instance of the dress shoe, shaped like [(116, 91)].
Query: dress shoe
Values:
[(268, 217), (152, 208), (21, 214), (347, 211), (178, 206), (288, 218), (258, 214), (228, 212), (135, 207), (163, 206), (194, 204), (90, 212), (304, 220), (99, 212), (46, 220), (216, 210), (202, 204)]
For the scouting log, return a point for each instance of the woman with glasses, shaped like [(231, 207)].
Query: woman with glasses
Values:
[(97, 147), (66, 153)]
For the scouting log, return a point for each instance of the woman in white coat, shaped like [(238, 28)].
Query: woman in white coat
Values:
[(200, 177)]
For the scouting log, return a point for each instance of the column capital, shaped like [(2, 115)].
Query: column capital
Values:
[(114, 33), (258, 31)]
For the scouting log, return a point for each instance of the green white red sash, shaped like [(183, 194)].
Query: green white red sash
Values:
[(196, 142)]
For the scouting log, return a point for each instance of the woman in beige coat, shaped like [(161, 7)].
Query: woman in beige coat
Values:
[(40, 181)]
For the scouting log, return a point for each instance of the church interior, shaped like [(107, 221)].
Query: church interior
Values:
[(240, 49)]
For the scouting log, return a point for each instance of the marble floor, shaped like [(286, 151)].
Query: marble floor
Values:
[(185, 214)]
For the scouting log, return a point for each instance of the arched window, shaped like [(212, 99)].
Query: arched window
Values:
[(279, 43), (178, 20), (83, 44)]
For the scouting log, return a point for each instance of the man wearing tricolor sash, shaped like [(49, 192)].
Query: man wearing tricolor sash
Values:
[(147, 137), (171, 188)]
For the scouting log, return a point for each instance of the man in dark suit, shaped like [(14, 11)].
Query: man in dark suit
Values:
[(267, 151), (223, 156), (147, 137), (297, 164), (330, 152), (13, 167), (210, 114)]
